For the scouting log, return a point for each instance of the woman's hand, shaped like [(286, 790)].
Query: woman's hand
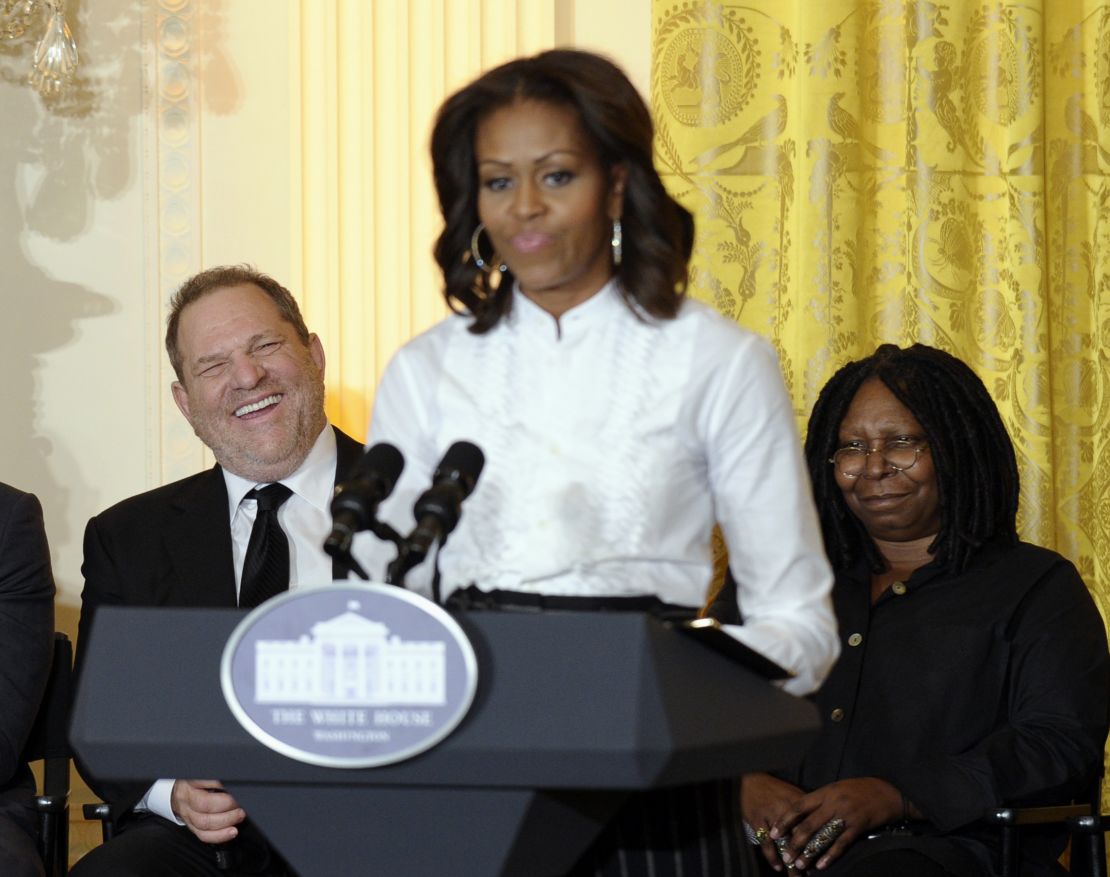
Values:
[(764, 800), (858, 804)]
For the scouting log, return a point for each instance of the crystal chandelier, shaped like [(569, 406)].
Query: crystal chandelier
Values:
[(54, 61)]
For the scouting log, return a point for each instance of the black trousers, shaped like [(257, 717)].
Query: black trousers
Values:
[(19, 857), (687, 831), (898, 856), (147, 845), (895, 863)]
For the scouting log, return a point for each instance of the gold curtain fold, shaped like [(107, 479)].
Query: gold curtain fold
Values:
[(865, 171), (369, 78)]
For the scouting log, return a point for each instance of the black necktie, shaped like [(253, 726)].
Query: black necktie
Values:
[(266, 565)]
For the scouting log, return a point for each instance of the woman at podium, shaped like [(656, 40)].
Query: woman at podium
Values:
[(619, 419)]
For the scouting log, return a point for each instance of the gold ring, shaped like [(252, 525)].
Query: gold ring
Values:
[(761, 834)]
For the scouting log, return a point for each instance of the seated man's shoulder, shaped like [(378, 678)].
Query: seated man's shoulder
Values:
[(10, 497), (9, 493), (145, 510)]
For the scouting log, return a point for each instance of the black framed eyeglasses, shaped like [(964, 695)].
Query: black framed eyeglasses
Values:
[(899, 454)]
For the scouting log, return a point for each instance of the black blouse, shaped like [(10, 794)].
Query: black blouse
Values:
[(970, 692)]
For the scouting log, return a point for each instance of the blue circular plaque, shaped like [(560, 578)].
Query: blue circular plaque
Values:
[(349, 675)]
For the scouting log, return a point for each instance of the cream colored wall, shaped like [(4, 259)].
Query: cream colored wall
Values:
[(76, 356), (226, 131)]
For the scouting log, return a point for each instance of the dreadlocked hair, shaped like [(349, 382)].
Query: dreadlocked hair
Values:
[(976, 470)]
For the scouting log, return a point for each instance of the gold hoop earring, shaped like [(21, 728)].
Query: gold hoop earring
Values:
[(617, 242), (481, 263)]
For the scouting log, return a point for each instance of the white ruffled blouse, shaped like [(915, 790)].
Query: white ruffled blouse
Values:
[(612, 445)]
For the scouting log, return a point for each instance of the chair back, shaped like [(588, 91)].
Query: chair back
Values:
[(1087, 855), (49, 743)]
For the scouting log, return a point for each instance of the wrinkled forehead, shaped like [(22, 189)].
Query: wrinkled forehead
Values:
[(229, 315)]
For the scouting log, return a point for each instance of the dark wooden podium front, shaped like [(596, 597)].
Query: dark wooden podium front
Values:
[(573, 711)]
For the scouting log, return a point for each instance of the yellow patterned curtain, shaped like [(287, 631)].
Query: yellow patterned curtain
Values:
[(865, 171), (882, 171)]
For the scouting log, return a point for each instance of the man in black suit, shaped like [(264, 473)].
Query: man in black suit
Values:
[(250, 381), (26, 629)]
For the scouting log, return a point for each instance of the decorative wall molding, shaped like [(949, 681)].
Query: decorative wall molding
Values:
[(173, 217)]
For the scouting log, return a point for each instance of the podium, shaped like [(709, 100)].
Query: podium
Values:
[(573, 712)]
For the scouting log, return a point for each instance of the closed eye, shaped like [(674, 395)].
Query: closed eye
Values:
[(213, 370)]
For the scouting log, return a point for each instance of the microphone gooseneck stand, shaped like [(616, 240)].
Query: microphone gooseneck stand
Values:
[(436, 511)]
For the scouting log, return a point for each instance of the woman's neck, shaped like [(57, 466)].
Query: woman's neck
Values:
[(558, 302), (906, 555), (902, 558)]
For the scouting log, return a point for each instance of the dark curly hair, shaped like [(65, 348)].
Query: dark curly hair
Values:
[(658, 231), (220, 277), (976, 470)]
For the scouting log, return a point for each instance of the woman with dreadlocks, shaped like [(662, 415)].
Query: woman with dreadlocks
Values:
[(974, 667)]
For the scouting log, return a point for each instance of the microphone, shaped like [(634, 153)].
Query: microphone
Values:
[(354, 507), (438, 508)]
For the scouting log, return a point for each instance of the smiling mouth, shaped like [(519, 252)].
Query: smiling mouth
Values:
[(883, 498), (258, 406)]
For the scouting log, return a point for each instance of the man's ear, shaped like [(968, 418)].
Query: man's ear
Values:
[(316, 351), (181, 397), (618, 177)]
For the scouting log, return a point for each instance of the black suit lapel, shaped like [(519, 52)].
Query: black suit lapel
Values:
[(199, 542), (198, 539), (347, 452)]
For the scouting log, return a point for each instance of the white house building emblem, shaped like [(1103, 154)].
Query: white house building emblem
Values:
[(349, 675), (350, 660)]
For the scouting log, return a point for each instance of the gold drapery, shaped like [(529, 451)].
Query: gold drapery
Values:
[(368, 78), (865, 171)]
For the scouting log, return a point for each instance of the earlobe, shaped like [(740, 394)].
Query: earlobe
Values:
[(618, 178), (316, 351), (181, 398)]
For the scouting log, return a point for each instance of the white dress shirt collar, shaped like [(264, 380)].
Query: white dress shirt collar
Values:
[(313, 481), (598, 309)]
